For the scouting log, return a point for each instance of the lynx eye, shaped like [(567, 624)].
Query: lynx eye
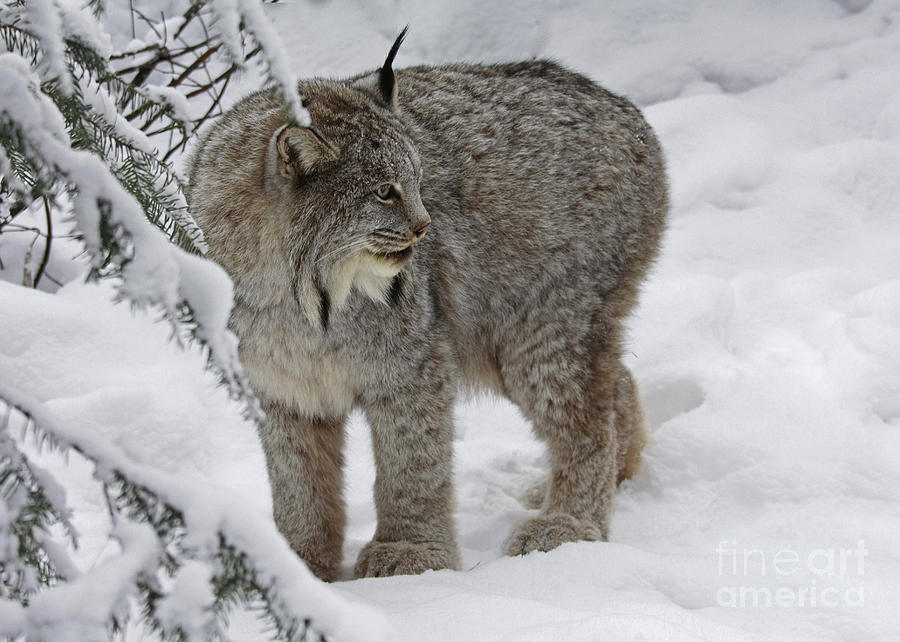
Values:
[(386, 192)]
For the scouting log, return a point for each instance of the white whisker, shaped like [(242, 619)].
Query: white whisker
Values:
[(352, 245)]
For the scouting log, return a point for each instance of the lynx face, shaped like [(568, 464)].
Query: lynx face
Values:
[(353, 183)]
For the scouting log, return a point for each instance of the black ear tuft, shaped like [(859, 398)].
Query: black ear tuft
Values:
[(386, 74)]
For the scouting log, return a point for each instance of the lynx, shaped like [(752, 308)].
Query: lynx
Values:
[(435, 228)]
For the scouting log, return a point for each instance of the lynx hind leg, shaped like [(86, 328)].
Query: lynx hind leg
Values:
[(631, 429), (631, 437), (572, 410), (536, 493)]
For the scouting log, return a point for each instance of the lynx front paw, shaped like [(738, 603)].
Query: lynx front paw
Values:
[(546, 532), (327, 571), (381, 559)]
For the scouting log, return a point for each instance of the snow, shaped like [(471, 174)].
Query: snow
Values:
[(766, 343), (181, 109), (45, 23), (104, 106), (78, 610), (189, 603), (230, 14), (152, 412), (82, 25), (156, 272)]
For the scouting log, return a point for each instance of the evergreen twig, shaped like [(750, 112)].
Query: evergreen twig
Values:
[(234, 583), (47, 243), (114, 108)]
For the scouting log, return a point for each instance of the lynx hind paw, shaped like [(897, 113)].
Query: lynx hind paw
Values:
[(546, 532), (382, 559)]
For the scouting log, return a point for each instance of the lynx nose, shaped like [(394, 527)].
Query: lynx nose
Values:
[(419, 230)]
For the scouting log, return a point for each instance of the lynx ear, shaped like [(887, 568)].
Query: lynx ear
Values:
[(301, 150), (387, 82), (383, 83)]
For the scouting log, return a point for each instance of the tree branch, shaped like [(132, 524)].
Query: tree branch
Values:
[(46, 256)]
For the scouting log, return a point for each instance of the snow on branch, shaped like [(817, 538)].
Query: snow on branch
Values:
[(217, 553), (231, 16), (95, 107), (84, 608), (154, 272), (43, 20), (177, 103), (140, 148), (74, 131)]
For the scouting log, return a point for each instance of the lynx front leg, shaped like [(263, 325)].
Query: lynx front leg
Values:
[(412, 440), (304, 460)]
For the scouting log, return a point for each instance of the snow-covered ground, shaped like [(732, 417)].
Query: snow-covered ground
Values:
[(767, 341)]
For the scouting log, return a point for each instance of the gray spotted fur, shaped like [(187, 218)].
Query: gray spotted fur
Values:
[(547, 198)]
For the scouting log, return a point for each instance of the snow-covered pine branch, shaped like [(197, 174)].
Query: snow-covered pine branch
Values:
[(138, 106), (92, 104), (47, 126), (187, 554), (79, 138), (235, 16), (113, 225)]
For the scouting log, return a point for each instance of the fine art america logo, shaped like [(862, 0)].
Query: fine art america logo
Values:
[(790, 578)]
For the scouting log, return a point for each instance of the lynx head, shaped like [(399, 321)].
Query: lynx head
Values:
[(352, 182), (340, 197)]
